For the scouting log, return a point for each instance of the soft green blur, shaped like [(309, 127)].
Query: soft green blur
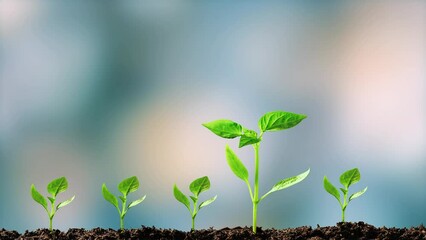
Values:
[(101, 91)]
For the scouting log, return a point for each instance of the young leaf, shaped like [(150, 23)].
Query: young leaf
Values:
[(249, 137), (128, 185), (64, 203), (57, 186), (288, 182), (108, 196), (244, 141), (199, 185), (344, 191), (194, 199), (136, 202), (330, 188), (357, 194), (123, 199), (207, 202), (279, 120), (350, 177), (38, 197), (236, 165), (52, 200), (225, 128), (181, 197)]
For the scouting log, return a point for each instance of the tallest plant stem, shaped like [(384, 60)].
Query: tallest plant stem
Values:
[(255, 198)]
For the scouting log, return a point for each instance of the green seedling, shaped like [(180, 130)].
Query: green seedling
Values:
[(346, 179), (196, 187), (270, 122), (126, 186), (54, 188)]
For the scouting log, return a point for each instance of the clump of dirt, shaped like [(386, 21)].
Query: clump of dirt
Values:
[(347, 231)]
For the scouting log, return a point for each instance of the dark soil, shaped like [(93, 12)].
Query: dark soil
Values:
[(342, 231)]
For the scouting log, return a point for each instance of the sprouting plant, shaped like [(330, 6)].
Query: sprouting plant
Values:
[(346, 179), (272, 121), (54, 188), (198, 186), (126, 186)]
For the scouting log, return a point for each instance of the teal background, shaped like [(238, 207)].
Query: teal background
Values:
[(98, 92)]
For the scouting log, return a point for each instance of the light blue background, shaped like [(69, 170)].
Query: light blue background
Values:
[(99, 92)]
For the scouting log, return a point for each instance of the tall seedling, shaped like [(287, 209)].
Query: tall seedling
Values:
[(270, 122)]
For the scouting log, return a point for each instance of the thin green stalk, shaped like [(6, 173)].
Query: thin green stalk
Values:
[(50, 223), (250, 192), (121, 223), (123, 213), (256, 186), (345, 203), (193, 224), (52, 213), (254, 217), (194, 214)]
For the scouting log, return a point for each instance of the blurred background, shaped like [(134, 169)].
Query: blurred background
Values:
[(98, 92)]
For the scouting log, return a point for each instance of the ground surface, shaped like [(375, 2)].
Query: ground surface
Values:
[(358, 230)]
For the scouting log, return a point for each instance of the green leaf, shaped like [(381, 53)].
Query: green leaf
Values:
[(57, 186), (194, 199), (350, 177), (357, 194), (236, 165), (123, 199), (181, 197), (279, 120), (207, 202), (199, 185), (136, 202), (288, 182), (244, 141), (38, 197), (52, 200), (344, 191), (64, 203), (108, 196), (249, 137), (128, 185), (225, 128), (330, 188)]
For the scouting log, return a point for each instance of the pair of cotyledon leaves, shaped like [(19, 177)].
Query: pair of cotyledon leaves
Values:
[(272, 121), (197, 186), (55, 187), (126, 186), (346, 179)]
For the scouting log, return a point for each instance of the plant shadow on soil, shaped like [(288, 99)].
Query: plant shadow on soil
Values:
[(347, 230)]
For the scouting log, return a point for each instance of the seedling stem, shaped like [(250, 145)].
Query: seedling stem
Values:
[(194, 214), (256, 185)]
